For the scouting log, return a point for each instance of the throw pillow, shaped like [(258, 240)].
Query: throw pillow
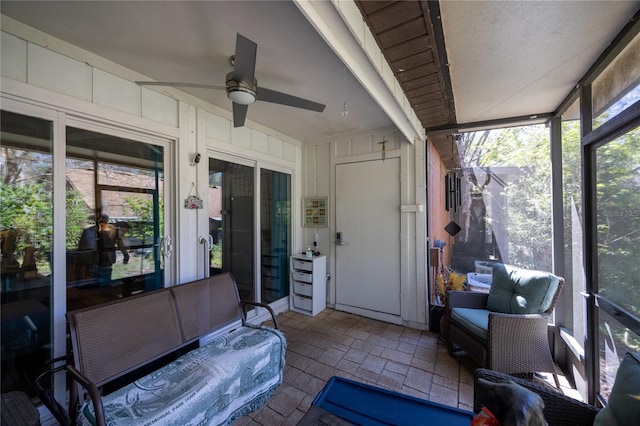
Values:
[(623, 407), (521, 291)]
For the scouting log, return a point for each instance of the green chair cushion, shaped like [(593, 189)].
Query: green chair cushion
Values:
[(623, 407), (474, 320), (521, 291)]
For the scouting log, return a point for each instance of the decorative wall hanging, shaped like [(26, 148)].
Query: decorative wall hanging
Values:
[(384, 148), (452, 228), (193, 201), (452, 192), (315, 212)]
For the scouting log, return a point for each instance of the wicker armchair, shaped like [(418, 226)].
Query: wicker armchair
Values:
[(509, 343), (558, 410)]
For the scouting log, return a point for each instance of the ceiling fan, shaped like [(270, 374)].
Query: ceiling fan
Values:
[(242, 87)]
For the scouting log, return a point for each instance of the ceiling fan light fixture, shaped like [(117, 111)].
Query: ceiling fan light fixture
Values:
[(242, 97)]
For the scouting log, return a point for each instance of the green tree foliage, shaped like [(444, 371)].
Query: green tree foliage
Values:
[(516, 192), (618, 219), (27, 208)]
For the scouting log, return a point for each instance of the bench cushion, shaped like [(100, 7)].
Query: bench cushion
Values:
[(475, 321), (215, 384), (624, 401), (521, 291)]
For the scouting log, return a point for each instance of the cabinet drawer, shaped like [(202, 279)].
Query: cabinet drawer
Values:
[(302, 288), (305, 265), (305, 277), (302, 302)]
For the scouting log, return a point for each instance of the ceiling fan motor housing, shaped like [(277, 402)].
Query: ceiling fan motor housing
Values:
[(241, 92)]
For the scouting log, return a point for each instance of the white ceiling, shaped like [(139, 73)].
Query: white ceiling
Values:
[(193, 41), (506, 58), (518, 58)]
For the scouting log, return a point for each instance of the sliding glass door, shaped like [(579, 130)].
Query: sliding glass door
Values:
[(115, 217), (236, 211), (82, 222), (617, 213), (26, 239), (231, 222), (275, 234)]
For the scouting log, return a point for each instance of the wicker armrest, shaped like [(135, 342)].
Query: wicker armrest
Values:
[(559, 409), (466, 299), (519, 343)]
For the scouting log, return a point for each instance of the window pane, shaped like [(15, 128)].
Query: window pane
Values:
[(275, 236), (615, 340), (618, 87), (114, 217), (505, 211), (618, 220), (231, 198), (572, 222), (26, 231)]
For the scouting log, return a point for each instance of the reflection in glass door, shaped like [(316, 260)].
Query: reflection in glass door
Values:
[(231, 223), (618, 257), (275, 234), (26, 229), (114, 217)]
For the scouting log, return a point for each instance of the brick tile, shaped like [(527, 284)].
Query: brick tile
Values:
[(388, 343), (393, 357), (331, 356), (286, 401), (293, 418), (406, 347), (401, 357), (419, 380), (377, 350), (396, 367), (267, 417), (423, 364), (465, 395), (362, 345), (390, 380), (355, 355), (321, 371), (444, 395), (298, 361), (365, 375), (445, 381), (373, 363), (347, 366), (413, 392)]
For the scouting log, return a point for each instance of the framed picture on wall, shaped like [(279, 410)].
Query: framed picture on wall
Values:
[(315, 212)]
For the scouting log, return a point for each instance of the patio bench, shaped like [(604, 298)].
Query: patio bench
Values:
[(215, 383)]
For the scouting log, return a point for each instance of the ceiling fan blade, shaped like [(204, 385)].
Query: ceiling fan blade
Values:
[(244, 67), (239, 114), (272, 96), (178, 84)]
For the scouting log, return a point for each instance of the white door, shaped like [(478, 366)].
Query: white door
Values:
[(368, 260)]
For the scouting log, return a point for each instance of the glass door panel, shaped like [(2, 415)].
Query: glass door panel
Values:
[(26, 240), (114, 217), (275, 235), (618, 252), (231, 223)]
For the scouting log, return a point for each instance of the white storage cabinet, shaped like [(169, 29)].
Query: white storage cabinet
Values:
[(308, 284)]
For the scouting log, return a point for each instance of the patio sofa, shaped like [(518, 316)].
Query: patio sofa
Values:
[(212, 384)]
